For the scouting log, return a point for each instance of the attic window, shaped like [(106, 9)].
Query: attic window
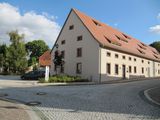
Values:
[(142, 47), (112, 42), (121, 39), (144, 44), (155, 52), (156, 56), (96, 23), (141, 51), (126, 36)]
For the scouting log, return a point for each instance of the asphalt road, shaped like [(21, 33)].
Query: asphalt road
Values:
[(122, 101)]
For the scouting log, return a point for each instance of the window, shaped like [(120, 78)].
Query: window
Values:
[(123, 57), (108, 68), (63, 42), (96, 23), (135, 59), (116, 55), (79, 52), (130, 58), (108, 54), (79, 68), (79, 38), (126, 36), (135, 69), (130, 69), (63, 53), (71, 27), (116, 69), (142, 61), (148, 62), (142, 70)]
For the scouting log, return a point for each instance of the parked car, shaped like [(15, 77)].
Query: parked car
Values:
[(33, 75)]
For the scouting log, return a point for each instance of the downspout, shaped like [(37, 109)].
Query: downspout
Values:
[(100, 65)]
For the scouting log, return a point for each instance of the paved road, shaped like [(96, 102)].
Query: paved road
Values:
[(121, 101)]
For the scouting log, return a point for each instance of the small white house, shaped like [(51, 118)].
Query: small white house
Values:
[(98, 52)]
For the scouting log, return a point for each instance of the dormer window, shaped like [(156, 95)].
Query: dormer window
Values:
[(121, 39), (71, 27), (96, 23), (141, 51), (126, 36)]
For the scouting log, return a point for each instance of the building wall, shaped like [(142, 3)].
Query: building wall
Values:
[(146, 64), (90, 50)]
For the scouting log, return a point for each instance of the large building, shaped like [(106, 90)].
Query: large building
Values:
[(98, 52)]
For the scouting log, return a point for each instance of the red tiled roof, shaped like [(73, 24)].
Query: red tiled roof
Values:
[(114, 39), (45, 59)]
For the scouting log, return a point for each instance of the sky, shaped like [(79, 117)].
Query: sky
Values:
[(43, 19)]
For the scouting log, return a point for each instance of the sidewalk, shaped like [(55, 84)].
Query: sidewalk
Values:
[(11, 110), (153, 95)]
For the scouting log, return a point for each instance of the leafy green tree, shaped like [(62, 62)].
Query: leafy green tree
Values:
[(156, 45), (35, 48), (3, 58), (16, 55)]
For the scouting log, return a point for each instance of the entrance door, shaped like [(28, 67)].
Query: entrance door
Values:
[(123, 71), (149, 72)]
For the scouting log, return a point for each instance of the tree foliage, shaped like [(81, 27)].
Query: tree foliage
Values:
[(16, 55), (35, 48), (156, 45)]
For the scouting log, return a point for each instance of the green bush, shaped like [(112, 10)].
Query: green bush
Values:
[(64, 79)]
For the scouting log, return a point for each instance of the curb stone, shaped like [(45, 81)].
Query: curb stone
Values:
[(149, 98)]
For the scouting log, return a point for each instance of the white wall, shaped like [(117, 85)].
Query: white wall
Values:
[(90, 49), (127, 62)]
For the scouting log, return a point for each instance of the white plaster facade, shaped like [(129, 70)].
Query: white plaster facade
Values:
[(94, 58)]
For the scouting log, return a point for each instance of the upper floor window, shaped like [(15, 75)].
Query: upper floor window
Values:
[(79, 52), (123, 57), (142, 61), (71, 27), (116, 55), (79, 38), (130, 58), (108, 54), (63, 42), (135, 59)]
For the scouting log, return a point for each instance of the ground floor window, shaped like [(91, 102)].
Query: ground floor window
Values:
[(142, 70), (130, 69), (62, 68), (135, 69), (116, 69), (108, 68), (79, 68)]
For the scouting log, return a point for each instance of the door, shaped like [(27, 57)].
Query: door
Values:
[(149, 72), (123, 71)]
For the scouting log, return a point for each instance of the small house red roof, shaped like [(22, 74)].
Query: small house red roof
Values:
[(112, 38), (45, 59)]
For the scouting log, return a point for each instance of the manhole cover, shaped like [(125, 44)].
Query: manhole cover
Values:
[(33, 103), (41, 93), (3, 95)]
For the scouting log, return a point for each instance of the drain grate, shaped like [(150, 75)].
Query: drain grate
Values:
[(41, 93), (33, 103)]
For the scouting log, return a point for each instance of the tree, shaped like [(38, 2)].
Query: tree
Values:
[(16, 55), (156, 45), (35, 48), (3, 58)]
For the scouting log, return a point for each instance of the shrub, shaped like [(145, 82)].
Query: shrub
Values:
[(63, 78)]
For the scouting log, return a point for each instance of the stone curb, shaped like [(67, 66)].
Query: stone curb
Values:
[(94, 83), (149, 98), (31, 113)]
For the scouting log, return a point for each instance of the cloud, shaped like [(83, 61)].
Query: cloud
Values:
[(34, 26), (155, 28)]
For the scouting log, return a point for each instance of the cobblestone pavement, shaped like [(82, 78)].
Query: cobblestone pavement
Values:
[(122, 101), (154, 94)]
